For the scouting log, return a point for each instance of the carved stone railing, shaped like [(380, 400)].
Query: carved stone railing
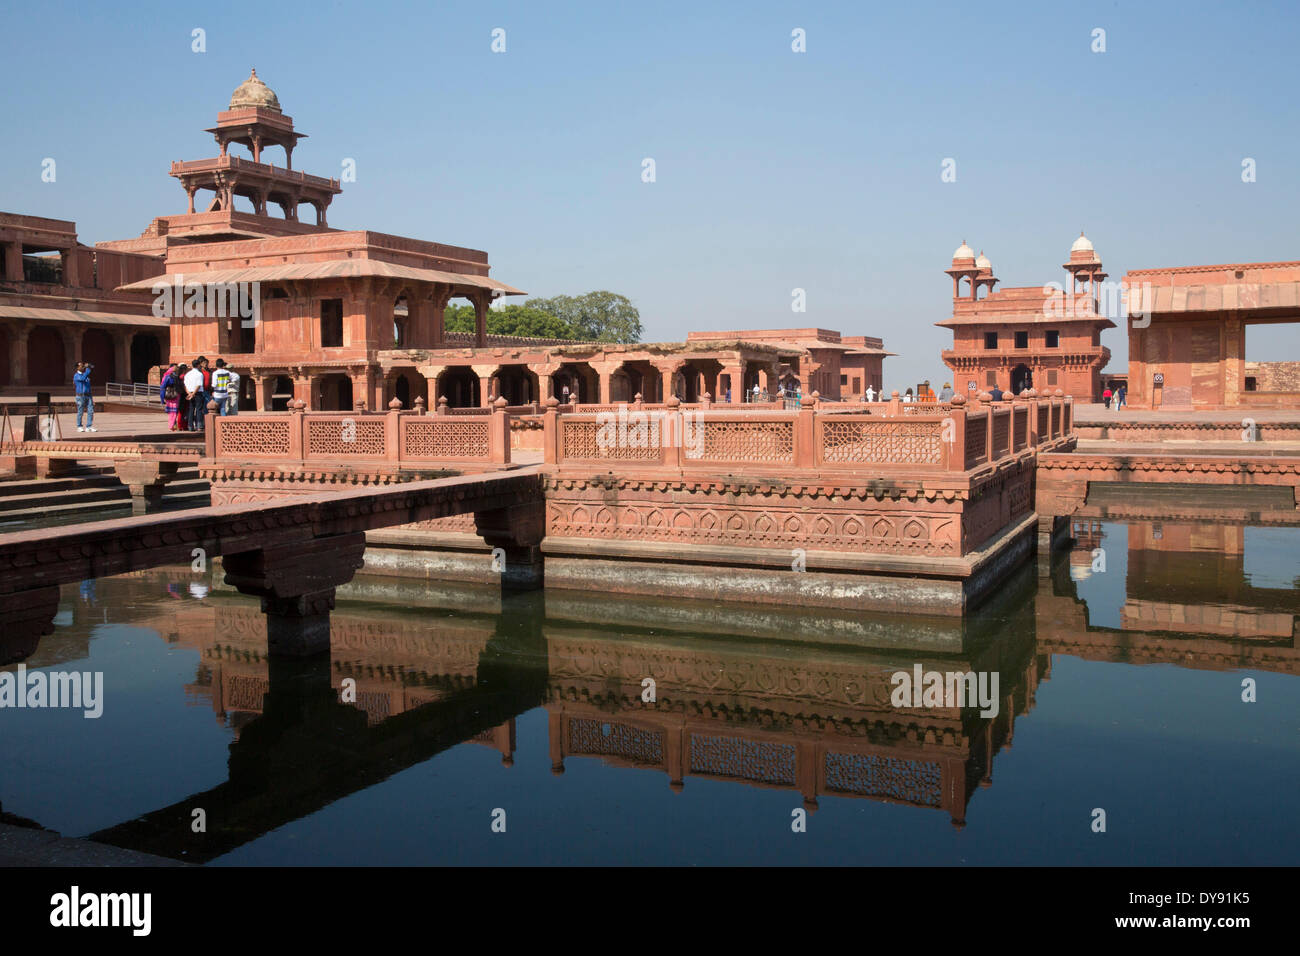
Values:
[(955, 438), (396, 437)]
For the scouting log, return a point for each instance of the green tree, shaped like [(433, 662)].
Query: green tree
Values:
[(521, 320), (599, 316)]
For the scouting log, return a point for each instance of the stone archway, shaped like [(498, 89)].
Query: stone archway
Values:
[(46, 357), (97, 349), (459, 385), (582, 382), (146, 353), (333, 393), (406, 384), (1022, 377), (517, 384)]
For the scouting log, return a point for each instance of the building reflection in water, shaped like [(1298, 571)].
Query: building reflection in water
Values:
[(752, 696)]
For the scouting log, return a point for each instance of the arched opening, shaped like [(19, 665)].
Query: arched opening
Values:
[(281, 393), (46, 358), (580, 380), (146, 353), (1021, 378), (334, 393), (754, 376), (459, 385), (697, 377), (402, 391), (635, 377), (517, 384), (402, 322), (97, 350)]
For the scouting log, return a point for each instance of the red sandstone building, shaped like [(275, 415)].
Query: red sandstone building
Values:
[(1043, 337), (343, 316), (59, 306), (1187, 348)]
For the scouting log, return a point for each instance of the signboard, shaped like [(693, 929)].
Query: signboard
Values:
[(1159, 379), (972, 385)]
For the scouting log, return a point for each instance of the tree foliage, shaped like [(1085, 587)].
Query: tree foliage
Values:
[(596, 316)]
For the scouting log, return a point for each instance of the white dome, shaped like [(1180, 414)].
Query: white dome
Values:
[(983, 262), (964, 251), (1081, 244)]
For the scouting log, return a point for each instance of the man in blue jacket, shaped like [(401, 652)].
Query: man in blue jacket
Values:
[(85, 400)]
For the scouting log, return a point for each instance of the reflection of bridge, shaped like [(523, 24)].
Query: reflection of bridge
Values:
[(291, 554)]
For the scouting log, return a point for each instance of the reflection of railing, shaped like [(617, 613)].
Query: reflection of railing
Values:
[(960, 438), (396, 437)]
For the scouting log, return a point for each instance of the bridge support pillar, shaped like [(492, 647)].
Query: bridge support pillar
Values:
[(146, 481), (28, 616), (517, 531), (296, 583)]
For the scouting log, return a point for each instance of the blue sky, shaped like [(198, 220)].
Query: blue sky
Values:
[(774, 170)]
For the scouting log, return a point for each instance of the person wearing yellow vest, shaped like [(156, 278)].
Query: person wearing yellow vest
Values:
[(221, 383)]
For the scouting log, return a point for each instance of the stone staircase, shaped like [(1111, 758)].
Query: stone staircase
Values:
[(91, 493)]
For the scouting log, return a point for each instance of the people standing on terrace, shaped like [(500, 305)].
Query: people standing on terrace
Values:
[(85, 400), (232, 400), (946, 393), (195, 399), (172, 400), (1121, 397), (1106, 397), (221, 387), (996, 393)]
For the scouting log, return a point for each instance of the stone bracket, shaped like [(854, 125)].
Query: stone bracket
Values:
[(296, 583)]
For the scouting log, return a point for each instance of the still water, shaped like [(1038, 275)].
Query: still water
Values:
[(1120, 688)]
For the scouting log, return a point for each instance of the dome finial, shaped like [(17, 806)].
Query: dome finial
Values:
[(254, 93)]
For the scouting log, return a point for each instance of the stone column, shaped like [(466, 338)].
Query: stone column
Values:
[(484, 373), (431, 373), (437, 314), (18, 332), (13, 264), (71, 273), (146, 480), (667, 372), (121, 358), (736, 376), (545, 388), (480, 320), (296, 582)]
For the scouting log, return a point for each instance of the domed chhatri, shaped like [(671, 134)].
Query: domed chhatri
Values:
[(982, 263), (1082, 244), (963, 252), (253, 92)]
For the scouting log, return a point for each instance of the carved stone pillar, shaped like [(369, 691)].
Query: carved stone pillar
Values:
[(296, 583), (146, 480)]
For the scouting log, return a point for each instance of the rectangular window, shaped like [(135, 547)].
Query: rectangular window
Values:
[(990, 340), (1022, 340), (1096, 338), (331, 323), (1051, 377), (1053, 339), (857, 385), (990, 379), (844, 380)]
